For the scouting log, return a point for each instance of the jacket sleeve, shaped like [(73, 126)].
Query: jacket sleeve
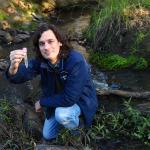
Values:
[(24, 74), (75, 83)]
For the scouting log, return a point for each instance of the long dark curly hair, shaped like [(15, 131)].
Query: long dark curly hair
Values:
[(65, 48)]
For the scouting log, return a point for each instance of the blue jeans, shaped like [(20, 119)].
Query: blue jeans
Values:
[(67, 117)]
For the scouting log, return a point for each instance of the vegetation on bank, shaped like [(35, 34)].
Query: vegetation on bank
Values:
[(115, 61), (128, 124), (121, 29), (12, 133)]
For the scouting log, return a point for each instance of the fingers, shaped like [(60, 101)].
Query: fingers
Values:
[(38, 107), (16, 57), (18, 54), (39, 110)]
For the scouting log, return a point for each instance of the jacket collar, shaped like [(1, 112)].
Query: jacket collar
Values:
[(50, 67)]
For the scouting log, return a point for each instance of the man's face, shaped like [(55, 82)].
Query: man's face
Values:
[(49, 46)]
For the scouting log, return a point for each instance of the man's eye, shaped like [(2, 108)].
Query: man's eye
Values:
[(50, 41), (41, 44)]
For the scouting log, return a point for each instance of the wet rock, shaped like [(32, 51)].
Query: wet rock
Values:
[(5, 37), (20, 38), (3, 64), (23, 32), (53, 147), (11, 35), (12, 32)]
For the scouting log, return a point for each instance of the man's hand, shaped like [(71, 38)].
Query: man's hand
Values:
[(16, 57), (38, 107)]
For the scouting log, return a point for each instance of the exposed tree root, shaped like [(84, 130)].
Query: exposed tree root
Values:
[(133, 94)]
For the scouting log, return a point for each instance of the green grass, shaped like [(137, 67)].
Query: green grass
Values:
[(5, 111), (113, 14), (3, 15), (116, 62), (98, 18)]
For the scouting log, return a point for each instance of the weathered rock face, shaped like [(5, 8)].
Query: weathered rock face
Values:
[(5, 37), (75, 29), (13, 36), (64, 3)]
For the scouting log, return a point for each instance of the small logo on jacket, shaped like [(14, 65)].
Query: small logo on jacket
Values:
[(63, 75)]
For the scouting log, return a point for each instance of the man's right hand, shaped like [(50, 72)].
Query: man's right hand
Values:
[(16, 57)]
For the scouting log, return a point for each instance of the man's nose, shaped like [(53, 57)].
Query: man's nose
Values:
[(47, 46)]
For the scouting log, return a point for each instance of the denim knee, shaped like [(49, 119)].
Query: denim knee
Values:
[(67, 117), (61, 117)]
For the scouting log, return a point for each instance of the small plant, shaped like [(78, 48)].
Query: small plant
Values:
[(66, 137), (129, 123), (113, 62), (141, 64), (5, 111)]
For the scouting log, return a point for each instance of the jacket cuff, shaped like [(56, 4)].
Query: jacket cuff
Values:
[(44, 102)]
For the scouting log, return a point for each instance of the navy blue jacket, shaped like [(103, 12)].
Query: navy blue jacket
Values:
[(76, 83)]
